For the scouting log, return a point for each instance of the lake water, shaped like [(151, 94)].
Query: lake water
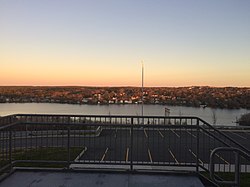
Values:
[(223, 116)]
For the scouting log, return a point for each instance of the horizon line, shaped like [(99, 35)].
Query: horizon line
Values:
[(124, 86)]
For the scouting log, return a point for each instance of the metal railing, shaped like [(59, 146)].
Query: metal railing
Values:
[(135, 142), (7, 120), (239, 155)]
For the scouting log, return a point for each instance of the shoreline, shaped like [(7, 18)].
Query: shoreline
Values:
[(117, 104)]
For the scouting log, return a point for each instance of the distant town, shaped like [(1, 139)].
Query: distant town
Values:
[(195, 96)]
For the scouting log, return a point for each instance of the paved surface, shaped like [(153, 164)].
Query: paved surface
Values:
[(159, 146), (59, 179)]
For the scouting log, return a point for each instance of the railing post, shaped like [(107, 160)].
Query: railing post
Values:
[(26, 137), (10, 147), (131, 145), (68, 144), (237, 169), (197, 145)]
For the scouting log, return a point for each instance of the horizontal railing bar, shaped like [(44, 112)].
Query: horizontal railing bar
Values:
[(40, 161), (218, 139), (143, 163), (9, 125), (104, 163), (110, 125), (226, 136), (5, 167), (112, 116)]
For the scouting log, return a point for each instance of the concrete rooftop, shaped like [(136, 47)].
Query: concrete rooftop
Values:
[(75, 179)]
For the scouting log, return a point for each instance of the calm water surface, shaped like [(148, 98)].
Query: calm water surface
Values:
[(224, 116)]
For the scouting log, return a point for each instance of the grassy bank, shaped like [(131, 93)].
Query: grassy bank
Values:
[(244, 178)]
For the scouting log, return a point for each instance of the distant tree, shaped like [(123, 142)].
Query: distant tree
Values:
[(106, 96), (244, 120)]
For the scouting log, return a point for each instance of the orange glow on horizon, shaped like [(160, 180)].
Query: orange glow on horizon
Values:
[(52, 71)]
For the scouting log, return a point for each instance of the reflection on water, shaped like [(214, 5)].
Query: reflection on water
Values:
[(223, 116)]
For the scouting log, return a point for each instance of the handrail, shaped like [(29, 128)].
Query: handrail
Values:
[(115, 116), (238, 152), (226, 136), (7, 119), (141, 117), (131, 121), (7, 126), (211, 134), (145, 117), (137, 117)]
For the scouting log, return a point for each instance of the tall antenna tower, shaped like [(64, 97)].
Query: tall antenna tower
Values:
[(142, 87)]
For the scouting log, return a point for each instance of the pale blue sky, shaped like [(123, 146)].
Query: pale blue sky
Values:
[(76, 42)]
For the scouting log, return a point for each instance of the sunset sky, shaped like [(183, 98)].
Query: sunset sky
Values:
[(102, 42)]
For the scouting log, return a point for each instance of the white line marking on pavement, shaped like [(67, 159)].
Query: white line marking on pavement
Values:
[(195, 156), (145, 133), (191, 134), (103, 157), (127, 152), (169, 150), (175, 133), (160, 133), (220, 157), (150, 156)]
